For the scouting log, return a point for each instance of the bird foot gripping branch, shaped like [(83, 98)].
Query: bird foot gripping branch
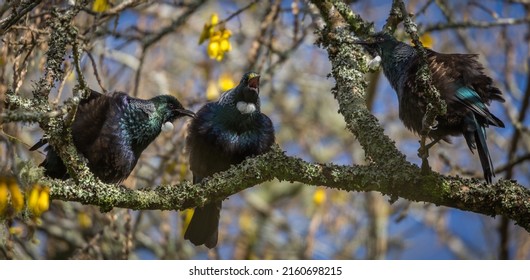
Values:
[(429, 123)]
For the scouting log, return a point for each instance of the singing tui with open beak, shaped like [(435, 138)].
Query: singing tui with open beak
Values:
[(224, 133)]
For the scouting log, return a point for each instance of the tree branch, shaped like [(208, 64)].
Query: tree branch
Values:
[(347, 62), (505, 198), (24, 8)]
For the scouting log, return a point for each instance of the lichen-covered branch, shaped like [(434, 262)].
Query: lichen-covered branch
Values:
[(474, 24), (23, 8), (436, 105), (505, 198), (347, 62), (63, 34)]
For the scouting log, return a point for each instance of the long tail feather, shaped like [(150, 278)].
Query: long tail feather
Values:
[(484, 154), (53, 165), (203, 228), (39, 144), (475, 136)]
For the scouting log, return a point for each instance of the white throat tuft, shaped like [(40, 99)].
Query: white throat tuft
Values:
[(374, 63), (246, 108), (167, 127)]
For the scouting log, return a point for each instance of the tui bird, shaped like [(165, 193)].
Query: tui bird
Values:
[(225, 133), (112, 131), (461, 81)]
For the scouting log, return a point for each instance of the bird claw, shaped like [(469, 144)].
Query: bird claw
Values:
[(423, 153), (428, 125), (434, 125)]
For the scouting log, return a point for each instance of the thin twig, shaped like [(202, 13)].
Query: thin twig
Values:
[(95, 68)]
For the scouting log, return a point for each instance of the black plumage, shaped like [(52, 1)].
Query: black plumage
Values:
[(224, 133), (461, 81), (112, 130)]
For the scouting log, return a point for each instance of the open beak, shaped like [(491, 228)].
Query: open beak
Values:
[(253, 82), (186, 112)]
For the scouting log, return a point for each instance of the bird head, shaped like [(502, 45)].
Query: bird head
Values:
[(170, 108), (246, 93), (380, 43)]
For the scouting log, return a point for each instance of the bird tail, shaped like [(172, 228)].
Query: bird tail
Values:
[(53, 164), (484, 154), (476, 138), (204, 225), (39, 144)]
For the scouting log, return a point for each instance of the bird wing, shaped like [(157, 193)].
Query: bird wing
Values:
[(471, 100), (90, 118), (461, 78), (98, 136), (81, 110), (466, 70)]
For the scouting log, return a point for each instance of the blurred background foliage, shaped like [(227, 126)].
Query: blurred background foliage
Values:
[(127, 46)]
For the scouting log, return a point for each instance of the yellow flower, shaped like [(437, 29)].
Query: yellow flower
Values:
[(214, 19), (218, 46), (218, 37), (39, 200), (17, 198), (212, 92), (3, 196), (16, 230), (43, 204), (427, 40), (208, 29), (84, 220), (225, 45), (33, 197), (213, 49), (226, 82), (223, 42), (226, 34), (100, 6), (10, 190), (319, 197), (247, 223)]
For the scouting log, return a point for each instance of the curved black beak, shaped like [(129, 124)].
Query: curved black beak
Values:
[(362, 42), (186, 112)]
